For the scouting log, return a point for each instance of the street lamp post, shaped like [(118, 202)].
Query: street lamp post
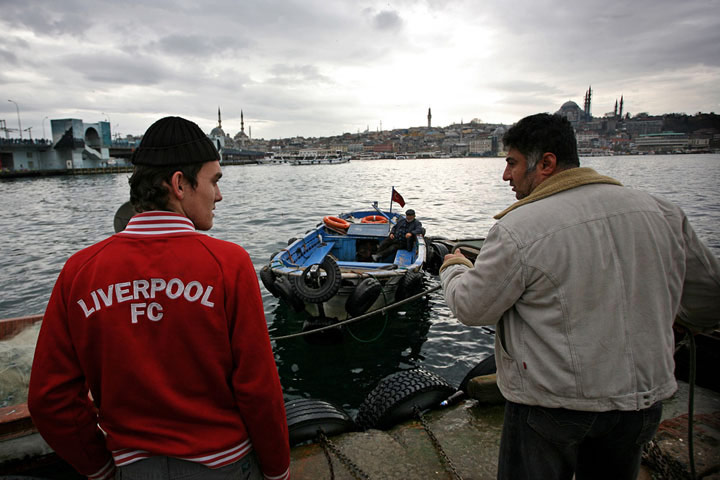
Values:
[(18, 114)]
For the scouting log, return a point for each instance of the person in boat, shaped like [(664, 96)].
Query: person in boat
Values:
[(402, 235), (153, 358), (583, 279)]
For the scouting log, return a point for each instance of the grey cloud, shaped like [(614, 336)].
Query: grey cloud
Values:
[(117, 69), (47, 18), (198, 46), (387, 20), (288, 74), (7, 57)]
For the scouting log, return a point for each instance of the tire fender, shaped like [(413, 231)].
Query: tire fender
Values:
[(313, 287), (286, 294), (410, 284), (305, 417), (394, 399), (485, 367), (364, 295), (268, 280)]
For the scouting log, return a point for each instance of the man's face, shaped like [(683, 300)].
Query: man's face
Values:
[(516, 173), (409, 218), (199, 202)]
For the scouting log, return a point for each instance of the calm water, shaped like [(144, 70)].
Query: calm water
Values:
[(43, 221)]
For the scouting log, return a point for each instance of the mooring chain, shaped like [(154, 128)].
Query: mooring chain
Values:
[(449, 465), (355, 471), (326, 451)]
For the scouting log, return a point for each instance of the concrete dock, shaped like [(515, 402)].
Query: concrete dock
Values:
[(469, 433)]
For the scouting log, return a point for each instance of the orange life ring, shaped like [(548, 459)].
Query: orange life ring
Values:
[(374, 219), (336, 222)]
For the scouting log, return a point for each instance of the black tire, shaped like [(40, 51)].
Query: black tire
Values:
[(268, 280), (273, 255), (436, 258), (485, 367), (291, 240), (305, 417), (409, 285), (393, 400), (312, 287), (363, 296), (286, 294)]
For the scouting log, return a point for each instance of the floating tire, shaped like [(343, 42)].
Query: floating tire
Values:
[(268, 280), (286, 294), (306, 417), (486, 366), (364, 295), (292, 240), (314, 287), (410, 284), (394, 399)]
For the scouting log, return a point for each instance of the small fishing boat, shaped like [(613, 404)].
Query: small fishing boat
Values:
[(330, 272)]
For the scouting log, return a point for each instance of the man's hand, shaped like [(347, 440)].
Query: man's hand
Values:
[(408, 235), (456, 253), (392, 236)]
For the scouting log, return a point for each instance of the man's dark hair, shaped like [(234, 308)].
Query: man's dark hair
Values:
[(537, 134), (149, 184)]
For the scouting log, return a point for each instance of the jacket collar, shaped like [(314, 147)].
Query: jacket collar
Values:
[(158, 223), (565, 180)]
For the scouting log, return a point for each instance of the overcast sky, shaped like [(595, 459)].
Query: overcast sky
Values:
[(325, 67)]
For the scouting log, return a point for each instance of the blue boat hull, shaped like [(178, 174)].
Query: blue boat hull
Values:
[(322, 270)]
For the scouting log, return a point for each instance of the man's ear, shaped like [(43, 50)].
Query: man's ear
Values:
[(548, 164), (178, 185)]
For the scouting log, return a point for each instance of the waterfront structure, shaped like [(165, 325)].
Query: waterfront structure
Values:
[(665, 142), (76, 146)]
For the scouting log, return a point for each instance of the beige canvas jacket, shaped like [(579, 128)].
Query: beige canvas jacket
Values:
[(584, 283)]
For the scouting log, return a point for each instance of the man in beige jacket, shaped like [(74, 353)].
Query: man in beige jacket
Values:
[(583, 279)]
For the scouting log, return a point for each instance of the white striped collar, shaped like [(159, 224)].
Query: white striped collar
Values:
[(158, 223)]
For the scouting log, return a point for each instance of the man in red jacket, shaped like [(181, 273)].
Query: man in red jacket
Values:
[(154, 355)]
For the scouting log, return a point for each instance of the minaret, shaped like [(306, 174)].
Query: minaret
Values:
[(219, 119), (615, 111), (429, 118), (588, 102), (242, 122), (621, 106)]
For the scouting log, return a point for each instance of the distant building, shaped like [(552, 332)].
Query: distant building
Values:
[(665, 142)]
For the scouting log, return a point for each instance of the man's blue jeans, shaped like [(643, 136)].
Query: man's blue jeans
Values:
[(555, 443)]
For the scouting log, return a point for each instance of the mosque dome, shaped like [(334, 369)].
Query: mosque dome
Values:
[(570, 105), (217, 132)]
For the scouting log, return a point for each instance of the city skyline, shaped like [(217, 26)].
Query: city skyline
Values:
[(314, 69)]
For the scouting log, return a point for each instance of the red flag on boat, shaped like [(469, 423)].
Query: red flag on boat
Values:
[(397, 198)]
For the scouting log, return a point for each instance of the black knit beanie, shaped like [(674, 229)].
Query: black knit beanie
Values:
[(174, 141)]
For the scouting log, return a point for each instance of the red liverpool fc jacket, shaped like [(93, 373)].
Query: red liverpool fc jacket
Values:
[(154, 342)]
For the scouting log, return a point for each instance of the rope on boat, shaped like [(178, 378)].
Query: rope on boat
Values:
[(361, 317)]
